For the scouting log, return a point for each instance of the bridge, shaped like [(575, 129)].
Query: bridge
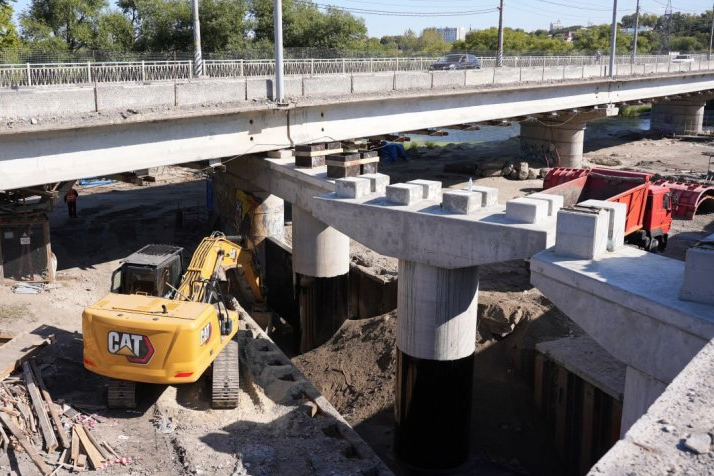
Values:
[(107, 128)]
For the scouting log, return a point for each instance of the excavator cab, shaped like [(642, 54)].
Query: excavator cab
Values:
[(154, 270)]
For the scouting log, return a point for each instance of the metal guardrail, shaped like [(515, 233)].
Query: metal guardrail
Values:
[(48, 74)]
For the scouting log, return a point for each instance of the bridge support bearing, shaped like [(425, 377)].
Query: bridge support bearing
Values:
[(554, 143), (321, 262), (684, 116), (436, 338)]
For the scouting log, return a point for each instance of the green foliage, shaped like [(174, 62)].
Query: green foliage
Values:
[(514, 40), (8, 33), (62, 24), (634, 111)]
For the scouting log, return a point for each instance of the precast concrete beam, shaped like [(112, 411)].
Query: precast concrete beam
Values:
[(426, 231), (47, 153)]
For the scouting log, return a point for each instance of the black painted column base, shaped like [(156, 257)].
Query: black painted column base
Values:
[(324, 306), (432, 411)]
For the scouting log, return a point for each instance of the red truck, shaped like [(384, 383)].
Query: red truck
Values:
[(649, 205)]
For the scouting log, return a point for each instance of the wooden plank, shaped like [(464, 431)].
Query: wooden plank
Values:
[(74, 451), (586, 442), (95, 457), (36, 398), (105, 454), (48, 252), (561, 409), (63, 440), (26, 444), (81, 461), (5, 439), (18, 350)]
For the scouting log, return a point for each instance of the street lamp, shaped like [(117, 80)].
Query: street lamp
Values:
[(613, 39), (197, 57), (278, 37)]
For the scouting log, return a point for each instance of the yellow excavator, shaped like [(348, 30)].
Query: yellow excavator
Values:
[(159, 325)]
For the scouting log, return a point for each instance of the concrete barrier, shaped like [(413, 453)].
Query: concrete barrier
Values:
[(410, 80), (531, 74), (507, 75), (478, 77), (573, 72), (45, 102), (372, 83), (447, 79), (325, 86), (125, 96), (259, 89), (210, 92)]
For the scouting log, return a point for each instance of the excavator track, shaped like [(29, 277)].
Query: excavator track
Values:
[(225, 384), (121, 394)]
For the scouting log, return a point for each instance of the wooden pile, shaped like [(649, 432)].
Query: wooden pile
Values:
[(32, 422)]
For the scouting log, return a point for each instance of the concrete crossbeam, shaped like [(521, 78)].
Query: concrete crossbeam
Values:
[(399, 231), (698, 285)]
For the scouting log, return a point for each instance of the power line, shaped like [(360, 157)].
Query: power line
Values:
[(366, 11)]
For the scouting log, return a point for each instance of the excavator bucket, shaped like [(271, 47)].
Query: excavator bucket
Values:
[(689, 198)]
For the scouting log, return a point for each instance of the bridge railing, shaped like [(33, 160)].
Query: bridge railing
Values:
[(29, 74)]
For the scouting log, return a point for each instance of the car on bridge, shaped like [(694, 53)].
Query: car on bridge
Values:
[(456, 61), (683, 59)]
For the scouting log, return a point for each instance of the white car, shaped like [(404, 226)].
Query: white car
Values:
[(683, 59)]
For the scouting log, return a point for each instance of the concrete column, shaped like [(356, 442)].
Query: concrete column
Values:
[(436, 340), (260, 215), (683, 116), (321, 262), (641, 390), (559, 143)]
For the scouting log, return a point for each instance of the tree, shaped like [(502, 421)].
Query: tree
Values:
[(62, 24), (432, 42), (8, 33)]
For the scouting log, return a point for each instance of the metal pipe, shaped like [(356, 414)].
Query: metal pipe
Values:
[(613, 39), (637, 27), (499, 55), (711, 37), (278, 32), (197, 57)]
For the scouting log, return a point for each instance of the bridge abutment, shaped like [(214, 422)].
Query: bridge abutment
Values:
[(321, 262), (436, 341), (681, 116)]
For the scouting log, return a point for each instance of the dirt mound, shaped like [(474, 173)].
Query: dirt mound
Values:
[(355, 369)]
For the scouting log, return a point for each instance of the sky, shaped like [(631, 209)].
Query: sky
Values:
[(393, 18)]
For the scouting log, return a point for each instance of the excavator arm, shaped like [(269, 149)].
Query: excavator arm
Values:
[(213, 256)]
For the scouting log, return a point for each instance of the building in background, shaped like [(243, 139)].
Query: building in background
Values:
[(451, 35), (556, 25)]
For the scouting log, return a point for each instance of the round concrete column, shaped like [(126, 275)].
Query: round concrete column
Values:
[(684, 116), (436, 340), (321, 262), (268, 218), (560, 144)]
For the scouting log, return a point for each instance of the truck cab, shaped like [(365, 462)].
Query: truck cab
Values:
[(154, 270)]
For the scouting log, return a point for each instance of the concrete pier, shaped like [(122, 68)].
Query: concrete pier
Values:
[(557, 138), (321, 259), (681, 116), (435, 358)]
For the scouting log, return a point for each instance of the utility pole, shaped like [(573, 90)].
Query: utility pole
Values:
[(667, 24), (499, 54), (637, 27), (197, 57), (278, 32), (613, 39), (711, 37)]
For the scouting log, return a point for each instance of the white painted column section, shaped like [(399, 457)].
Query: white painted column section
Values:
[(560, 143), (684, 116), (319, 250), (268, 218), (437, 311)]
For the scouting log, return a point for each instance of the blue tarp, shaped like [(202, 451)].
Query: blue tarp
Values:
[(391, 152)]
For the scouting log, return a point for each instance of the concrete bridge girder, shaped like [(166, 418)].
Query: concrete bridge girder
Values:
[(45, 153)]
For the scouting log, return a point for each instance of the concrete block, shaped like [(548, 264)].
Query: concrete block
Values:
[(353, 187), (431, 188), (507, 75), (45, 102), (478, 77), (210, 91), (372, 83), (616, 221), (526, 210), (698, 285), (462, 201), (280, 154), (404, 193), (412, 80), (555, 202), (447, 79), (123, 96), (581, 232), (326, 86), (378, 182), (489, 195), (259, 89)]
